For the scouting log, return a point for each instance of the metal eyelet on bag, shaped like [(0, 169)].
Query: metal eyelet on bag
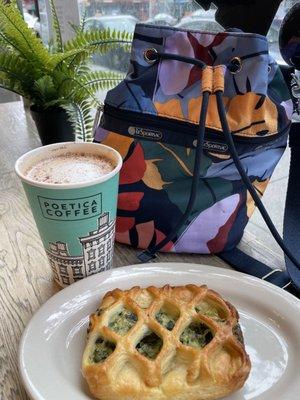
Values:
[(148, 53), (269, 69), (236, 64)]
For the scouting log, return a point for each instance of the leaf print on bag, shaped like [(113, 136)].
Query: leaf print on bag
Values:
[(100, 134), (134, 167), (154, 206), (145, 232), (260, 186), (132, 96), (184, 98), (152, 176), (148, 235), (279, 93), (254, 73), (210, 191), (171, 108), (212, 119), (252, 122), (206, 225), (174, 75), (124, 224), (219, 242), (175, 161), (118, 142), (202, 44), (258, 165), (260, 118), (130, 201)]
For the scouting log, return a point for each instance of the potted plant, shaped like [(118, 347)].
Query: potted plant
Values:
[(56, 79)]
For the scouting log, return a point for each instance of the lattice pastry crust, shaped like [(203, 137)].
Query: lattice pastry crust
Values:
[(179, 343)]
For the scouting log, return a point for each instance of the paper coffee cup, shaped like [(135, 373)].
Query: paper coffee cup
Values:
[(76, 222)]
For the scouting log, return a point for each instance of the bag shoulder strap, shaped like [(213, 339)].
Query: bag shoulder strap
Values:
[(291, 231)]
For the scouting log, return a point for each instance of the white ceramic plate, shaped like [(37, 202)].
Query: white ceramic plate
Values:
[(53, 342)]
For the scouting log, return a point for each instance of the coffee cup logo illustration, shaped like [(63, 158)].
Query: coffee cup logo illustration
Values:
[(97, 254)]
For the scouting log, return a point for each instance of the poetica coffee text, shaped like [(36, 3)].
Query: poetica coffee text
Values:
[(71, 209)]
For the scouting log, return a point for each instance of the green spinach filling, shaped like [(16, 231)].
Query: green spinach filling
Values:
[(123, 321), (103, 349), (196, 335), (166, 320), (210, 311), (150, 346)]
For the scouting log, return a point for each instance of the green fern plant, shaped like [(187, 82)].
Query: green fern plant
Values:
[(58, 75)]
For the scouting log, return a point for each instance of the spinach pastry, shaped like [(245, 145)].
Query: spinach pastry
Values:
[(182, 343)]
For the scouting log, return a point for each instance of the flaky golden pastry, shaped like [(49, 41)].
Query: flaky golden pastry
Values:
[(179, 343)]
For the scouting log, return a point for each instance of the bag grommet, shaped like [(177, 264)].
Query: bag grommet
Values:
[(236, 64), (148, 53)]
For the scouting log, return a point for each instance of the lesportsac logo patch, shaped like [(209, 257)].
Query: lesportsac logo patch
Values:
[(145, 133), (215, 146)]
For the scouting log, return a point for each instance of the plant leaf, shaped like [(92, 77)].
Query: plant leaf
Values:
[(99, 41), (45, 89), (80, 117), (100, 80), (17, 35), (56, 28), (16, 71)]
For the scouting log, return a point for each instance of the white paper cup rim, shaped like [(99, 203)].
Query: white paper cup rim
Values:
[(41, 153)]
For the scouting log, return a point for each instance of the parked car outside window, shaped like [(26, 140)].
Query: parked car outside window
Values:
[(185, 14), (117, 59)]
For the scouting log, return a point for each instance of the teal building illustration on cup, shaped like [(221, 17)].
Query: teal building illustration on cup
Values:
[(76, 221), (97, 254), (77, 227)]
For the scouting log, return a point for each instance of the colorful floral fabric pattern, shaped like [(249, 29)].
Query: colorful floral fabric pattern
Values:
[(154, 112)]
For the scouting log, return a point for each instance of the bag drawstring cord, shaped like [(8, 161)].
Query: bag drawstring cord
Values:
[(246, 180), (150, 253), (208, 82), (215, 87)]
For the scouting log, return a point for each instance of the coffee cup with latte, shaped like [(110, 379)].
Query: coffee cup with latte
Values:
[(72, 190)]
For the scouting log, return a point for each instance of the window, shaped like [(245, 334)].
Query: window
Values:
[(273, 35), (56, 276), (65, 280), (109, 257), (101, 249), (31, 14), (77, 271), (63, 269), (124, 14), (92, 266), (53, 265), (91, 254)]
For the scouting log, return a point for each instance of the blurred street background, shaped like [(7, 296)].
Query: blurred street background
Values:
[(124, 14)]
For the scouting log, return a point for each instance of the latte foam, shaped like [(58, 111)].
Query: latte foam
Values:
[(70, 168)]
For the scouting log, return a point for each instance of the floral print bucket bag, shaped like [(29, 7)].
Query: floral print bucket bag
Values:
[(201, 121)]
